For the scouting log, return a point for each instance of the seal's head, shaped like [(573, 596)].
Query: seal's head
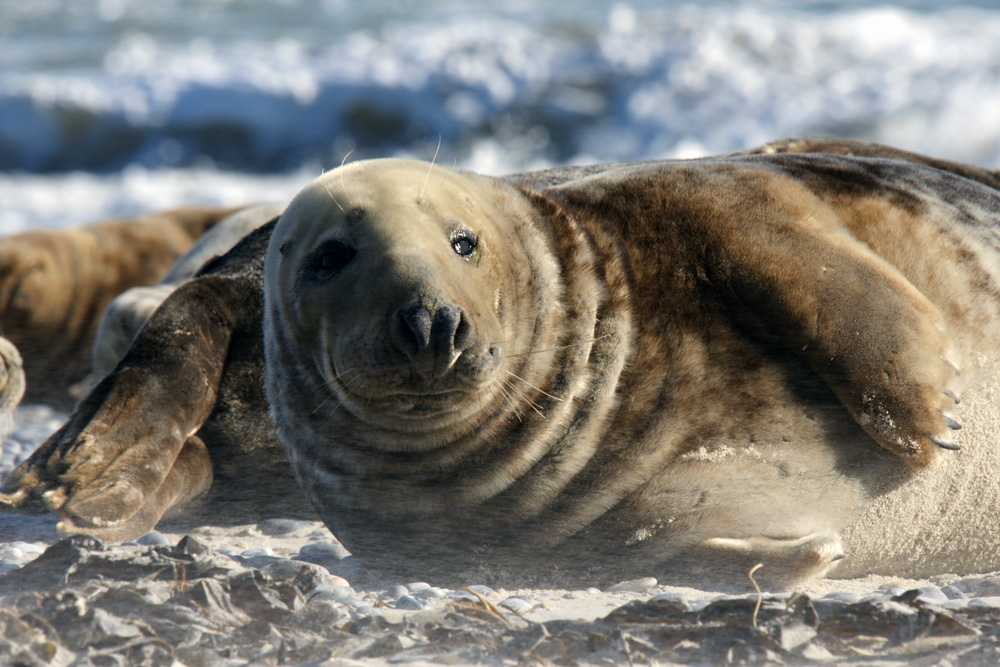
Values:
[(387, 284)]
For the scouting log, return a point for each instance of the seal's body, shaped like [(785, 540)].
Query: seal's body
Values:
[(673, 369), (130, 309), (54, 285)]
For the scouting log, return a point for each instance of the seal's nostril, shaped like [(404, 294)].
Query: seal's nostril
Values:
[(463, 332), (412, 329), (431, 337)]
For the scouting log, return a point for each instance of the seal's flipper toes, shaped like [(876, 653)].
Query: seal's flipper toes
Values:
[(785, 561), (24, 490), (123, 512)]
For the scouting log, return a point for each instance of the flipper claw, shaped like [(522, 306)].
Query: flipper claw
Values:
[(945, 444)]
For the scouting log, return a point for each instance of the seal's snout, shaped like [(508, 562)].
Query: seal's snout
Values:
[(432, 338)]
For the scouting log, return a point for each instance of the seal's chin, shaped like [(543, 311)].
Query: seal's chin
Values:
[(396, 398)]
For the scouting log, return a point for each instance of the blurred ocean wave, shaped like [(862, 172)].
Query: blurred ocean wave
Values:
[(255, 87)]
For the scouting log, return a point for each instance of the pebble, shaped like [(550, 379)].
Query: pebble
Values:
[(257, 551), (363, 611), (988, 602), (463, 595), (417, 586), (324, 549), (333, 593), (518, 605), (846, 598), (932, 594), (430, 593), (410, 603), (154, 539), (261, 561), (954, 593), (397, 591), (633, 585)]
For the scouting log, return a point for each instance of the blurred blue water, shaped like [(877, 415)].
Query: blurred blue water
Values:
[(258, 87)]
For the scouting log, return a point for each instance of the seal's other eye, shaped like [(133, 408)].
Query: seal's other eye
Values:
[(464, 243), (328, 260)]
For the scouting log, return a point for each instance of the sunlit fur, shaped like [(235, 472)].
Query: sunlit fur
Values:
[(676, 369)]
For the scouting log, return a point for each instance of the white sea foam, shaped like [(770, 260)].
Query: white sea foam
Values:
[(276, 85)]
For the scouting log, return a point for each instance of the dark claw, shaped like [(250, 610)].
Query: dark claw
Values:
[(948, 362), (950, 394), (952, 424), (944, 444)]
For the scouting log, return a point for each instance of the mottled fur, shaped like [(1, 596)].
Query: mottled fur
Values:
[(674, 369)]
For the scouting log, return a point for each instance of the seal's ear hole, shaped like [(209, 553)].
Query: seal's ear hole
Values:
[(464, 243)]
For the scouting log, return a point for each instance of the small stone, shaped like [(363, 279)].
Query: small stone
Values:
[(954, 593), (153, 539), (8, 567), (410, 603), (258, 551), (988, 602), (482, 590), (843, 596), (463, 595), (592, 590), (932, 594), (633, 585), (363, 611), (431, 593), (333, 593), (260, 562), (417, 586), (325, 548), (397, 591), (517, 605)]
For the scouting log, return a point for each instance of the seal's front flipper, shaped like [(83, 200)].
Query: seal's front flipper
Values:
[(128, 453), (877, 341), (189, 478)]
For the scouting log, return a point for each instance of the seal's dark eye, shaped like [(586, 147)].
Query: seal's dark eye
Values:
[(330, 257), (464, 243)]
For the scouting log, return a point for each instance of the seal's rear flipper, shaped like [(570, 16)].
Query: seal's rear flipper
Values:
[(784, 561)]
